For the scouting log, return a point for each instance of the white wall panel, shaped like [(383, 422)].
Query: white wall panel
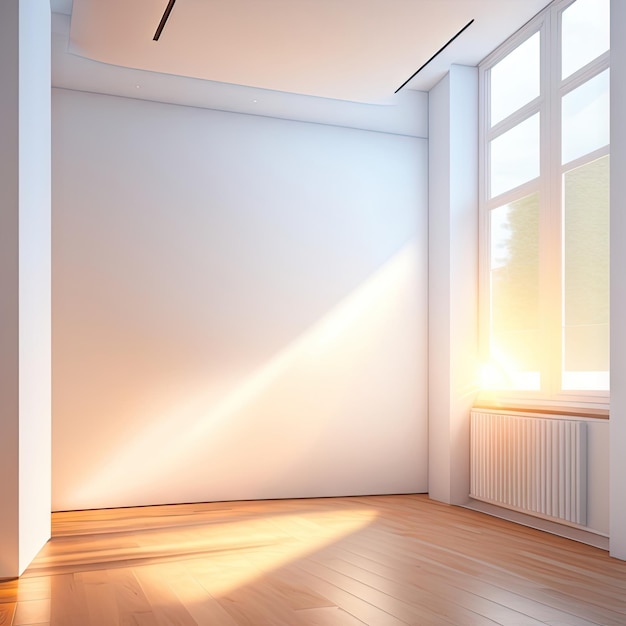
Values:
[(453, 280), (618, 286), (239, 306), (24, 282)]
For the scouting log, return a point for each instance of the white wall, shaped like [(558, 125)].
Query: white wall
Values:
[(438, 291), (35, 387), (9, 289), (618, 285), (25, 386), (453, 279), (239, 306)]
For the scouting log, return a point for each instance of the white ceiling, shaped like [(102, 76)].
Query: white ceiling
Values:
[(354, 50)]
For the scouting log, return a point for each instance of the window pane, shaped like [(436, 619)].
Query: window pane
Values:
[(515, 156), (515, 337), (585, 34), (515, 80), (586, 118), (586, 277)]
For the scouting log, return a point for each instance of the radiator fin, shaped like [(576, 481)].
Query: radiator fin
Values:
[(534, 465)]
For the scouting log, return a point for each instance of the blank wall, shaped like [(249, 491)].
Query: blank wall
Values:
[(239, 306)]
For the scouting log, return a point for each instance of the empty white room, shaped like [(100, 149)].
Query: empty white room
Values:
[(311, 312)]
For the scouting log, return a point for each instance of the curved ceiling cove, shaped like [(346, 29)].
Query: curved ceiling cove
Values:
[(356, 50)]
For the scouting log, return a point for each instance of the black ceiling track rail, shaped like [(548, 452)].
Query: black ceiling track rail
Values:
[(166, 15), (434, 55)]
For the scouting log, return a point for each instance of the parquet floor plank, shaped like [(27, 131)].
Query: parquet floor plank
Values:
[(68, 604), (7, 611), (328, 616), (458, 584), (165, 604), (31, 612)]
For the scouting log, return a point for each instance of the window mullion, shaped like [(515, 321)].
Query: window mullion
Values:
[(581, 76), (550, 222), (554, 213), (484, 291), (515, 118), (586, 158)]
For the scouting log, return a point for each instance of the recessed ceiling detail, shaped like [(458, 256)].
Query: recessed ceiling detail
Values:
[(434, 55), (356, 50), (166, 15)]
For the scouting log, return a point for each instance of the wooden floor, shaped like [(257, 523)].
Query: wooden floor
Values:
[(383, 561)]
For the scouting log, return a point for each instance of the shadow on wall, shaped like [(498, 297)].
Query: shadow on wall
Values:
[(313, 420)]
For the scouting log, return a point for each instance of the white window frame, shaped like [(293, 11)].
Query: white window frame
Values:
[(549, 187)]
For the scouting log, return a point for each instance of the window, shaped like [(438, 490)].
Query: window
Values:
[(545, 207)]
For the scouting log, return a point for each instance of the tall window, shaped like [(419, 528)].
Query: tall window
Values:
[(545, 206)]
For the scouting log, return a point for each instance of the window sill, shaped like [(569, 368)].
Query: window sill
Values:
[(574, 411)]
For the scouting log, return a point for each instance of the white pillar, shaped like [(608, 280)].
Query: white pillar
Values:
[(617, 424), (25, 336), (453, 279)]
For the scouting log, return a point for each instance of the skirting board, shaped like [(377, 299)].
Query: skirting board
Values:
[(577, 534)]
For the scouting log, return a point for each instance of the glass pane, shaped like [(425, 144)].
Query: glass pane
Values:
[(586, 118), (585, 36), (515, 80), (515, 156), (586, 277), (515, 340)]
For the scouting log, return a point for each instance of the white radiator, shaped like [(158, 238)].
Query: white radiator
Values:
[(530, 464)]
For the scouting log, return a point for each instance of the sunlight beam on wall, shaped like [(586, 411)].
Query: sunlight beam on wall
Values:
[(295, 399)]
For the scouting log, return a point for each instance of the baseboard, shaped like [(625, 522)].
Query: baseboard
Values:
[(577, 534)]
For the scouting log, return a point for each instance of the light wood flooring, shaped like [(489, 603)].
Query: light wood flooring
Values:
[(382, 561)]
